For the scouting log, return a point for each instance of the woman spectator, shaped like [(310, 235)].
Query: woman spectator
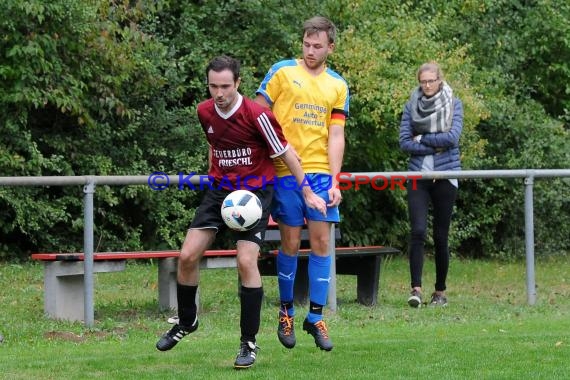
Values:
[(429, 132)]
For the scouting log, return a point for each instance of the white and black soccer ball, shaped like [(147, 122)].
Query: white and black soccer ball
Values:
[(241, 210)]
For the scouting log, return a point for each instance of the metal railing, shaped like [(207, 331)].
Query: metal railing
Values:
[(90, 182)]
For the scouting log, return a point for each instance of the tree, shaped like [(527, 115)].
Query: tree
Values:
[(86, 91), (111, 88)]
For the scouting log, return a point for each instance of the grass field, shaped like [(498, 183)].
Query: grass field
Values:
[(487, 332)]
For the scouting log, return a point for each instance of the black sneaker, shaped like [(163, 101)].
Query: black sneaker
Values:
[(173, 336), (246, 355), (415, 299), (286, 329), (438, 300), (320, 333)]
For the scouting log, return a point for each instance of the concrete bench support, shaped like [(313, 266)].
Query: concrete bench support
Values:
[(167, 269), (64, 286), (167, 283)]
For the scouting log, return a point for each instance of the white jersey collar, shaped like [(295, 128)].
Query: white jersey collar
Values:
[(232, 111)]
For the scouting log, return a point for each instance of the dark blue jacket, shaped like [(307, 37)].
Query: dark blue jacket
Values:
[(443, 145)]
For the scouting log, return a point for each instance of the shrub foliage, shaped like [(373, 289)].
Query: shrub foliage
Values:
[(110, 88)]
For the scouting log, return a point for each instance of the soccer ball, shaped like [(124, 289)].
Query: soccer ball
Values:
[(241, 210)]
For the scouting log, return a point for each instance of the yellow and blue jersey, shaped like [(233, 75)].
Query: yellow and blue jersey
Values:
[(306, 106)]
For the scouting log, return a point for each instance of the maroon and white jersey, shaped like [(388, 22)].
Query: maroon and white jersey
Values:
[(243, 143)]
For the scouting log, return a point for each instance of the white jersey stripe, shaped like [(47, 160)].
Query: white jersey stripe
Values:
[(270, 134)]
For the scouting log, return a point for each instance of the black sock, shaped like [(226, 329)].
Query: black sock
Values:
[(250, 317), (186, 304), (315, 308)]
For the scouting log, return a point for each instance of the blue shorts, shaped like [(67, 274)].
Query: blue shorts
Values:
[(289, 206)]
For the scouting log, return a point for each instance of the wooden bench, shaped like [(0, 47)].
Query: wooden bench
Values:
[(363, 262), (64, 272)]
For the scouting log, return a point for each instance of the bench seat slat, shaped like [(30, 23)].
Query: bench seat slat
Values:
[(125, 255), (367, 250)]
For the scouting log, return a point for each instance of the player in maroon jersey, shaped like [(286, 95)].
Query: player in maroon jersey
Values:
[(244, 138)]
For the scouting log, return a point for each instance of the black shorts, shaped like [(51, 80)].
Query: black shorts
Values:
[(208, 214)]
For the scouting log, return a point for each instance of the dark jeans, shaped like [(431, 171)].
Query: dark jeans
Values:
[(442, 195)]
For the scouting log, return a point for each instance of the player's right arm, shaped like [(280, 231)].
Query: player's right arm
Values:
[(312, 200), (260, 99)]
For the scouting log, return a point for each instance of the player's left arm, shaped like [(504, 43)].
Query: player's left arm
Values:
[(336, 141), (336, 145)]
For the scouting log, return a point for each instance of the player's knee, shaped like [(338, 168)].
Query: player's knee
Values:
[(188, 259), (290, 246), (247, 267), (320, 245), (246, 262)]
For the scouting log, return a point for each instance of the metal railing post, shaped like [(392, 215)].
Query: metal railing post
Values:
[(529, 237), (88, 190), (332, 283)]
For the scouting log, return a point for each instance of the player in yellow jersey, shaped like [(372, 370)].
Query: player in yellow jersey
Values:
[(311, 103)]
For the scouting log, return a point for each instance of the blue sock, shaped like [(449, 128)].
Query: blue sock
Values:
[(319, 279), (286, 270)]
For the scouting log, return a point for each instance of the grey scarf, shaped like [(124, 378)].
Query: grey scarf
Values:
[(431, 115)]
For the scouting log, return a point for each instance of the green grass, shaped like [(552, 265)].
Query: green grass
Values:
[(487, 332)]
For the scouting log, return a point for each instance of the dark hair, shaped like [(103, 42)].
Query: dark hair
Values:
[(224, 62), (318, 24)]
